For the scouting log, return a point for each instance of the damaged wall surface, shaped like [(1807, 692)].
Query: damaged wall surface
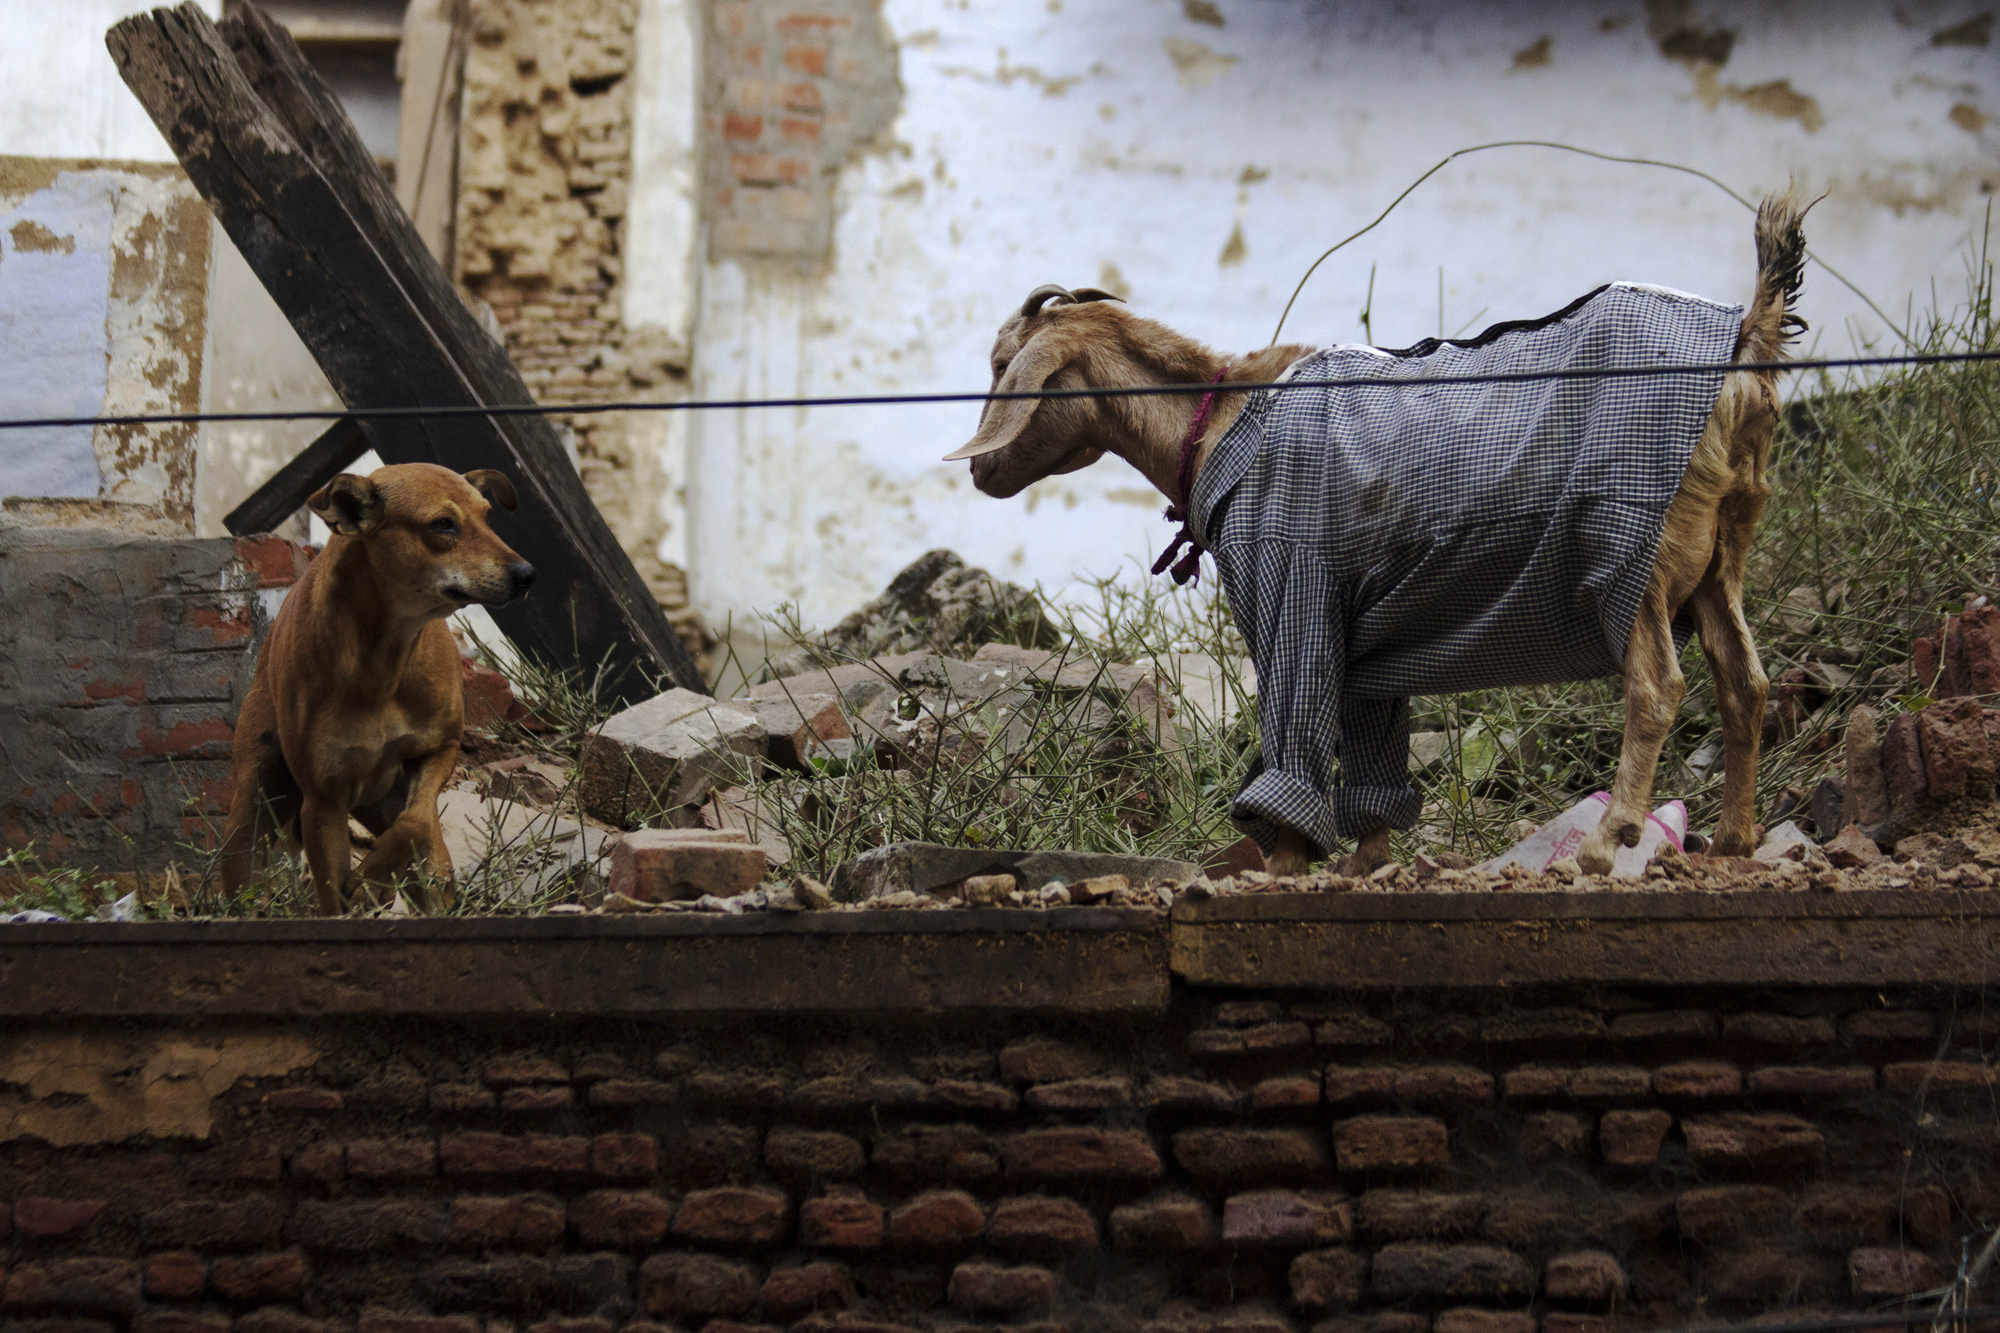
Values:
[(1195, 158)]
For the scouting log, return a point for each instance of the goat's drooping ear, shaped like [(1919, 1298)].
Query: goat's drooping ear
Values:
[(350, 505), (1080, 460), (1004, 419), (495, 487)]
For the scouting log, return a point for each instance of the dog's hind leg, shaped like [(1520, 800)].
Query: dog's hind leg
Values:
[(1653, 689), (263, 796)]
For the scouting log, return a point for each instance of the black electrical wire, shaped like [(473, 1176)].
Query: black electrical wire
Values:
[(905, 399)]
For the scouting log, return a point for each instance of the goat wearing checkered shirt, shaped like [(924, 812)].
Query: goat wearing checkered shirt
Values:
[(1064, 340)]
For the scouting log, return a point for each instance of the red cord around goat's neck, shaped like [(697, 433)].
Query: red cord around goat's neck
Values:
[(1189, 565)]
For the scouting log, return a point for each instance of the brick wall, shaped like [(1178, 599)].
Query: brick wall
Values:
[(1253, 1163), (121, 670)]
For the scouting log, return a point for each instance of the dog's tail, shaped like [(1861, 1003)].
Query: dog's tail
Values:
[(1770, 324)]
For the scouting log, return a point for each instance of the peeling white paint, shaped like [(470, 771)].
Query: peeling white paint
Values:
[(60, 95)]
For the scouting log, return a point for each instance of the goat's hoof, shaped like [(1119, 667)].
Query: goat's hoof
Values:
[(1596, 854), (1359, 864), (1284, 863)]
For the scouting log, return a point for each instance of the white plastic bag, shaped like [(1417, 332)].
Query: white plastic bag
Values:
[(1565, 833)]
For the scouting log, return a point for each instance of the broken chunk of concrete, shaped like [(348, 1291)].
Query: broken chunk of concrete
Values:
[(672, 750), (681, 865), (923, 867), (522, 853)]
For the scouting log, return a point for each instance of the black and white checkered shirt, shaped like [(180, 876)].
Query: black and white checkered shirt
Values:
[(1380, 543)]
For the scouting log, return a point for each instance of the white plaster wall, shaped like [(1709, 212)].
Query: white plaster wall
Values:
[(60, 95), (1063, 141)]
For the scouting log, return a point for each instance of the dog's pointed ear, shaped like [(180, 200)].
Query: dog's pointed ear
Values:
[(1003, 420), (350, 505), (495, 487)]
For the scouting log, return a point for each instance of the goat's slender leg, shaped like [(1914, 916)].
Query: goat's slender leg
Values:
[(1740, 690), (1653, 689), (1370, 850), (1290, 855)]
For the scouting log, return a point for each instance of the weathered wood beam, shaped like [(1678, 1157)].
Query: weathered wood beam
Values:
[(293, 484), (280, 164)]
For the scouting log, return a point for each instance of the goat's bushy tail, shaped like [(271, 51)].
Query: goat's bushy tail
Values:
[(1770, 325)]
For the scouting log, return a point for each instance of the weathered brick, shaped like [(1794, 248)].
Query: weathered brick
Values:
[(1878, 1273), (1846, 1215), (1044, 1060), (1665, 1025), (620, 1219), (514, 1284), (937, 1154), (1633, 1138), (1588, 1277), (1569, 1321), (1471, 1319), (1716, 1213), (1385, 1215), (1746, 1141), (982, 1288), (1811, 1081), (1939, 1076), (615, 1093), (483, 1154), (1345, 1085), (708, 1155), (860, 1095), (1039, 1226), (87, 1286), (1889, 1026), (377, 1320), (524, 1100), (938, 1219), (1391, 1143), (303, 1099), (36, 1215), (664, 865), (1284, 1093), (1692, 1080), (1252, 1156), (624, 1156), (279, 1319), (1609, 1083), (236, 1224), (1777, 1030), (842, 1221), (461, 1098), (1102, 1093), (1287, 1218), (804, 1157), (976, 1096), (1190, 1094), (592, 1282), (1079, 1154), (1426, 1271), (261, 1278), (1566, 1029), (1166, 1223), (319, 1163), (355, 1228), (506, 1221), (392, 1159), (1535, 1083), (791, 1292), (1247, 1013), (1763, 1274), (1381, 1321), (1445, 1085), (1333, 1276), (1550, 1136), (733, 1215), (160, 1321), (177, 1275), (1333, 1026), (694, 1285), (755, 1089)]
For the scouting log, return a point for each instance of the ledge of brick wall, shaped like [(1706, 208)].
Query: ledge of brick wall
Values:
[(1077, 961)]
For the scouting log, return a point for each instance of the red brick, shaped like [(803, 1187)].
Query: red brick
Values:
[(1345, 1084), (1846, 1215), (1716, 1213), (1609, 1082), (1903, 761), (1081, 1094), (984, 1288), (87, 1286), (1384, 1215), (1549, 1136), (859, 1095), (1445, 1085), (806, 59), (178, 1275), (506, 1222), (664, 865), (519, 1100), (1278, 1094), (1391, 1143), (1633, 1138), (360, 1227), (1041, 1226), (1336, 1025), (488, 695), (1426, 1271), (1164, 1224), (624, 1156), (1535, 1082), (1252, 1156), (1686, 1025), (1080, 1154), (236, 1224), (1746, 1141), (791, 1292), (1589, 1277), (392, 1159), (1286, 1218), (845, 1221), (1937, 1076), (971, 1095), (1568, 1321), (375, 1320), (523, 1068), (1698, 1079), (304, 1099), (695, 1285), (1045, 1060), (1778, 1030), (1957, 760), (513, 1155), (732, 1216), (1469, 1319), (38, 1216), (459, 1098), (153, 1321), (263, 1278), (806, 1157), (276, 562), (620, 1219), (1875, 1274), (1889, 1025), (1247, 1013), (1187, 1094), (938, 1219), (622, 1092), (1320, 1278), (1811, 1081), (742, 128)]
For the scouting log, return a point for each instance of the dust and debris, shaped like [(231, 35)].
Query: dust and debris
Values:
[(1198, 66), (1968, 117), (33, 237), (1201, 11), (1975, 31), (1234, 250), (1677, 28), (1535, 55), (1111, 280)]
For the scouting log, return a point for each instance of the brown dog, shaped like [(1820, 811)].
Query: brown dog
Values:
[(357, 704), (1064, 340)]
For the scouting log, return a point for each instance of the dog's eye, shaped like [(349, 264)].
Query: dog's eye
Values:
[(444, 527)]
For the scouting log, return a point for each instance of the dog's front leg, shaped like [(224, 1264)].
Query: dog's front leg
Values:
[(329, 851), (1653, 689), (415, 841)]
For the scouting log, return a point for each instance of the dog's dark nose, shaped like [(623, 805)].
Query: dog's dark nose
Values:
[(521, 577)]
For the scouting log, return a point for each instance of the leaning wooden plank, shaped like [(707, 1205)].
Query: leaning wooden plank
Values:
[(364, 317), (293, 484)]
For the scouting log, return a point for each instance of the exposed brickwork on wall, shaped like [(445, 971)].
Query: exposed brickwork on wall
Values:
[(546, 149), (121, 670), (790, 93), (1256, 1163)]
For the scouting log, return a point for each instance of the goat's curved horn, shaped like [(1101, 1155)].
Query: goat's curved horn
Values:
[(1043, 294), (1082, 294)]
